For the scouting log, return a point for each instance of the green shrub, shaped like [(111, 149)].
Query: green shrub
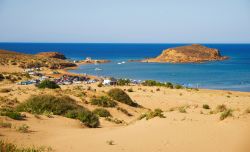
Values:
[(101, 112), (178, 86), (124, 111), (48, 84), (169, 85), (123, 82), (130, 90), (88, 118), (9, 147), (73, 114), (152, 114), (64, 106), (103, 101), (11, 114), (121, 96), (48, 103), (226, 113), (156, 83), (205, 106)]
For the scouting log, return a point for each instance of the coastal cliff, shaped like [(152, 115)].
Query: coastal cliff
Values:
[(194, 53)]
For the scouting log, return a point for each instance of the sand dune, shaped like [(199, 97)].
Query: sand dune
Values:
[(196, 130)]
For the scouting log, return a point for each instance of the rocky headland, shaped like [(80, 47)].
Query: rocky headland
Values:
[(56, 55), (194, 53)]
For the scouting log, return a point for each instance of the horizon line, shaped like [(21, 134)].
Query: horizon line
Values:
[(130, 42)]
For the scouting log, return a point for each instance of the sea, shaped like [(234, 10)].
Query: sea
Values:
[(231, 74)]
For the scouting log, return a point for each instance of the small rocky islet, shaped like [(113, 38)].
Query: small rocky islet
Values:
[(194, 53)]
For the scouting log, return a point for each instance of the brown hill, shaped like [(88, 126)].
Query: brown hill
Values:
[(188, 54), (56, 55), (30, 61)]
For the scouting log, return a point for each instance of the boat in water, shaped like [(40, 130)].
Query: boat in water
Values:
[(98, 69)]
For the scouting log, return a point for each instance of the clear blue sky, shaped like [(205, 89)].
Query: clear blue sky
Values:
[(125, 21)]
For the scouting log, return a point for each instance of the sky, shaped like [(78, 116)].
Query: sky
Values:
[(125, 21)]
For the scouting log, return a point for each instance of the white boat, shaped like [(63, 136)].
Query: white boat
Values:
[(98, 69), (119, 63), (123, 62)]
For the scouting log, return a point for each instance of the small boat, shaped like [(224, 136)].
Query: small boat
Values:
[(123, 62), (98, 69), (119, 63)]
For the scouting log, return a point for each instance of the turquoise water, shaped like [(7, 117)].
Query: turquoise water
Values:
[(232, 74)]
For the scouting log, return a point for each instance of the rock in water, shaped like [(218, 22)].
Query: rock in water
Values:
[(56, 55), (194, 53)]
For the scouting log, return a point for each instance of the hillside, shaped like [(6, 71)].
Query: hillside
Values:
[(29, 61)]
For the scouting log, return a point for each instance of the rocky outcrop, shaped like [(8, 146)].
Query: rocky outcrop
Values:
[(194, 53), (56, 55)]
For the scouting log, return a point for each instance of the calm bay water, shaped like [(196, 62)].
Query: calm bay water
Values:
[(232, 74)]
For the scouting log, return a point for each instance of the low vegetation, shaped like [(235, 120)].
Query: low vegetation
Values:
[(130, 90), (115, 120), (5, 124), (156, 83), (103, 101), (226, 113), (101, 112), (205, 106), (123, 82), (5, 90), (110, 142), (11, 113), (152, 114), (182, 109), (48, 84), (64, 106), (124, 111), (48, 103), (23, 128), (121, 96), (9, 147), (220, 108)]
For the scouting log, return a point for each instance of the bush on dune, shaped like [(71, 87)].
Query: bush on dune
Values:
[(152, 114), (11, 113), (103, 101), (226, 113), (64, 106), (48, 103), (101, 112), (121, 96), (123, 82), (10, 147), (48, 84)]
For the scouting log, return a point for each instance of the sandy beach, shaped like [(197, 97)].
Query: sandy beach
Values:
[(194, 130)]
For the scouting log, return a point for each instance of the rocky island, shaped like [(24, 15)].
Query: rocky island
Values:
[(194, 53)]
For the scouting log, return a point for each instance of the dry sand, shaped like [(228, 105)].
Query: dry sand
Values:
[(194, 131)]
